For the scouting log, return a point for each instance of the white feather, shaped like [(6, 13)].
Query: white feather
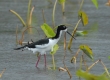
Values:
[(45, 47)]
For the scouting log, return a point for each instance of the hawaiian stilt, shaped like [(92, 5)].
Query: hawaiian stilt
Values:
[(44, 45)]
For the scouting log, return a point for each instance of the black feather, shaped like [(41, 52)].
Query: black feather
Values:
[(20, 47), (33, 45)]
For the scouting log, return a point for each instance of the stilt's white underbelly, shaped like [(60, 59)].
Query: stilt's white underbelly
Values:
[(41, 51), (45, 48)]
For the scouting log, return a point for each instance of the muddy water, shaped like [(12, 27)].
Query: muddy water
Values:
[(20, 65)]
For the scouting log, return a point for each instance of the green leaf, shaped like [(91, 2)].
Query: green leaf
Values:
[(81, 33), (48, 30), (87, 50), (109, 57), (92, 29), (95, 2), (55, 48), (89, 76), (61, 1), (84, 17)]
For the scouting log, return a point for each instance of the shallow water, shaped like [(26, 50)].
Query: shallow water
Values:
[(20, 65)]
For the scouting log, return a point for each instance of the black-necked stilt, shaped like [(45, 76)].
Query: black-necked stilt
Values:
[(44, 45)]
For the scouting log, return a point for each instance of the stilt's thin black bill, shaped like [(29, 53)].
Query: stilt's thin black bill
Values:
[(70, 35)]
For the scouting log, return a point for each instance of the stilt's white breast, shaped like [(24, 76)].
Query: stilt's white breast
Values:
[(46, 47)]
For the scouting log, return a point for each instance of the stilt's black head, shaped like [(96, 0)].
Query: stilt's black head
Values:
[(64, 28)]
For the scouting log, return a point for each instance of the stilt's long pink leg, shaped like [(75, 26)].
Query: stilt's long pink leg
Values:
[(45, 59), (38, 60)]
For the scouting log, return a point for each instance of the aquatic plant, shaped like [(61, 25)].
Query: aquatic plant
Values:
[(85, 49), (88, 76), (28, 23), (95, 2), (2, 72)]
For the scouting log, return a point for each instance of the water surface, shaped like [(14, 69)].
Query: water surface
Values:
[(20, 65)]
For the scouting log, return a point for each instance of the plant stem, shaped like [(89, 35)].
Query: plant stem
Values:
[(105, 68), (43, 16), (22, 21), (81, 4), (30, 16), (65, 57), (63, 8), (80, 63), (71, 39), (2, 72), (28, 12), (30, 20), (92, 65), (53, 15), (53, 61)]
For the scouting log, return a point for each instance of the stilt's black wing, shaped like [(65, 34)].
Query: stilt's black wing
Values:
[(40, 44)]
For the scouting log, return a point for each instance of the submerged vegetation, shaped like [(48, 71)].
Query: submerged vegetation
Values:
[(28, 23), (49, 31), (1, 73)]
